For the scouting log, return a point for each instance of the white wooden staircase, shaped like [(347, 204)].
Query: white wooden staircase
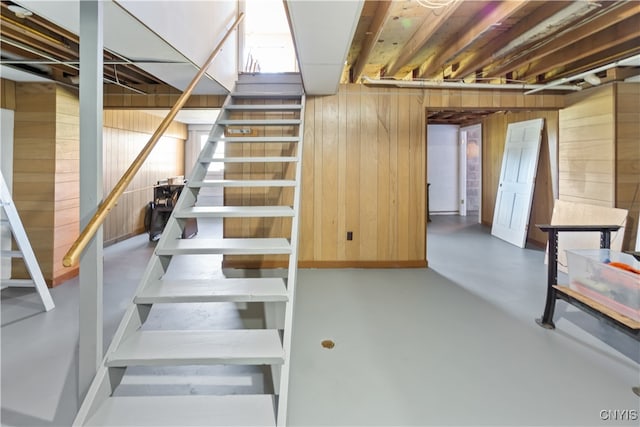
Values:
[(11, 217), (261, 114)]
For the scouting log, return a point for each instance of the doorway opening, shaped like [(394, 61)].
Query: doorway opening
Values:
[(268, 46)]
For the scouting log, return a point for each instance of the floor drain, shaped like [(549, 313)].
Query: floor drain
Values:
[(328, 344)]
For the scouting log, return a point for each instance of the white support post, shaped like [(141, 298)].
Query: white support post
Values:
[(91, 267)]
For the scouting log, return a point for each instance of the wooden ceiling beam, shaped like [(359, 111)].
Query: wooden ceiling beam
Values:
[(603, 43), (617, 15), (420, 38), (616, 53), (36, 41), (372, 35), (486, 55), (459, 42)]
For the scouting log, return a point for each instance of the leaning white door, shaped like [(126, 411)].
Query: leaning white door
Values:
[(517, 178)]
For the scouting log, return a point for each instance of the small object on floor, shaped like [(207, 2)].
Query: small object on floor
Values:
[(328, 344)]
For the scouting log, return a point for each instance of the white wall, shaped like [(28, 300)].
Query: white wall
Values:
[(442, 168), (6, 165)]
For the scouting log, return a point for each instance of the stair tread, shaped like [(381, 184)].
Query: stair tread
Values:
[(265, 94), (272, 159), (214, 290), (242, 183), (187, 347), (18, 283), (229, 246), (234, 211), (11, 254), (277, 139), (187, 411), (261, 107), (240, 122)]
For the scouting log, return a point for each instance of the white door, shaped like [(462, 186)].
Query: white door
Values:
[(517, 178)]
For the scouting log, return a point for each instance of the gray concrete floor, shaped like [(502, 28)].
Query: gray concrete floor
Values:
[(454, 344)]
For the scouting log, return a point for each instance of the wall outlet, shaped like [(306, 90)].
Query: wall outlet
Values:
[(349, 235), (238, 131)]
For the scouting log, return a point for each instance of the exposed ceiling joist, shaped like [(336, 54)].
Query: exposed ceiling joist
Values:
[(505, 43), (604, 44), (493, 17), (372, 36), (420, 38), (586, 33)]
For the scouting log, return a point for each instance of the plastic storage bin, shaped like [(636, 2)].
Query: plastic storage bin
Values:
[(592, 274)]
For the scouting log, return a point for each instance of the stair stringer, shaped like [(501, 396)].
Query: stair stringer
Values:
[(108, 378), (292, 276)]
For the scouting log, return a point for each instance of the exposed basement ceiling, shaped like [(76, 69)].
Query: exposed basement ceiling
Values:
[(534, 42)]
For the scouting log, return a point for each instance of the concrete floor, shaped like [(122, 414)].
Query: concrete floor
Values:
[(454, 344)]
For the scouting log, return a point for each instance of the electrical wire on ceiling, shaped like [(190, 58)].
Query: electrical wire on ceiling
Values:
[(434, 4)]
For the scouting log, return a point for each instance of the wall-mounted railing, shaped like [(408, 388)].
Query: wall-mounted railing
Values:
[(73, 254)]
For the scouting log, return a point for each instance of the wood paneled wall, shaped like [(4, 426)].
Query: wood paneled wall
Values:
[(67, 179), (627, 191), (46, 171), (587, 147), (494, 133), (7, 94), (125, 133), (45, 174), (155, 96), (364, 171)]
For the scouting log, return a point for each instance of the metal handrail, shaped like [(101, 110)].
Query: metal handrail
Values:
[(96, 221)]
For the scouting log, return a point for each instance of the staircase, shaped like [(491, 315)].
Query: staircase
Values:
[(10, 218), (261, 127)]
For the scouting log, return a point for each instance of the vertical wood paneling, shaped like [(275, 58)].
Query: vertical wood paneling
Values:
[(369, 144), (7, 94), (627, 178), (34, 171), (587, 147), (125, 132), (494, 132), (353, 118), (404, 159), (383, 193), (329, 219), (67, 178)]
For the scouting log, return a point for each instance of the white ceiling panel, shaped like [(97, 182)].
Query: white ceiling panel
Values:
[(180, 75), (321, 79), (125, 35), (20, 76), (194, 28), (322, 33), (65, 13)]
